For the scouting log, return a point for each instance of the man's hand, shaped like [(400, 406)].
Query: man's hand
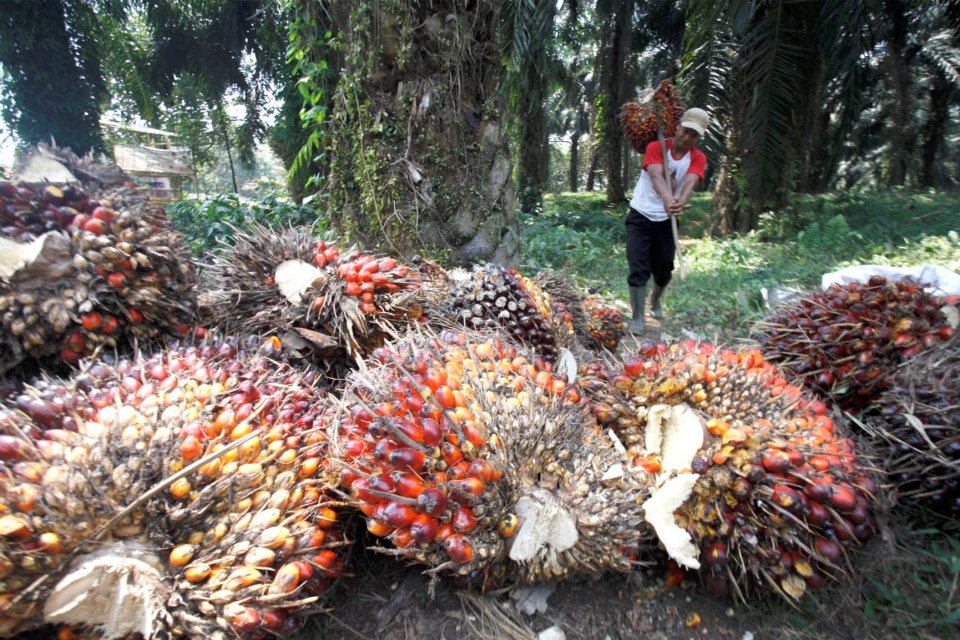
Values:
[(675, 208)]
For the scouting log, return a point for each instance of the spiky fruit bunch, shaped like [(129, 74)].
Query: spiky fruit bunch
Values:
[(187, 496), (846, 341), (605, 324), (469, 457), (493, 297), (640, 120), (915, 426), (83, 271), (754, 484), (289, 281)]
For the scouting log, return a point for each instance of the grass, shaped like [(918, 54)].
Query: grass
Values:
[(582, 236)]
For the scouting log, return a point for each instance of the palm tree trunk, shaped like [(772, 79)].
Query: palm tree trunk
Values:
[(534, 152), (420, 158), (901, 131), (615, 47), (222, 121), (935, 129), (574, 171)]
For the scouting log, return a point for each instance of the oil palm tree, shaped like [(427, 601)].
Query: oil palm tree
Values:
[(417, 130)]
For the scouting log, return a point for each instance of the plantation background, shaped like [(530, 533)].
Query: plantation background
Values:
[(475, 132)]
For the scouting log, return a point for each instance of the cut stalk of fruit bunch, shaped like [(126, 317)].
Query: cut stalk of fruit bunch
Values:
[(87, 269), (846, 342), (755, 485), (496, 298), (471, 458), (344, 304), (915, 427), (188, 495)]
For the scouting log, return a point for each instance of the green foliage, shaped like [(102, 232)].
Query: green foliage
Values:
[(721, 297), (308, 45), (208, 222), (53, 82)]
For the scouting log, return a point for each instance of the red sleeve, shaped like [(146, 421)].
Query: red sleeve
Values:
[(698, 163), (653, 155)]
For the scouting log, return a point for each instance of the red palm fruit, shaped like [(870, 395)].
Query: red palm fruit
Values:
[(407, 459), (459, 549), (432, 433), (451, 453), (786, 497), (715, 555), (463, 520), (843, 498), (819, 490), (410, 486), (829, 550), (95, 226), (466, 487), (92, 321), (424, 529), (397, 515), (432, 502)]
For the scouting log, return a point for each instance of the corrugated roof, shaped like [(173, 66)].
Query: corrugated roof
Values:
[(137, 128), (135, 157)]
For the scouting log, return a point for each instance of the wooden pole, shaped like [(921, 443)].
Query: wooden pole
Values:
[(673, 218)]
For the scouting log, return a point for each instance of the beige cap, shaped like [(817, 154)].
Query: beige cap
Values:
[(696, 119)]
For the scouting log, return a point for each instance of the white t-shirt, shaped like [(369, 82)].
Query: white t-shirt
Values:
[(645, 199)]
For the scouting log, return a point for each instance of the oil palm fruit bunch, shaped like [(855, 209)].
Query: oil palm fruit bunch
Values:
[(567, 298), (640, 120), (846, 341), (473, 460), (915, 426), (753, 483), (605, 323), (289, 281), (81, 271), (187, 497), (496, 298)]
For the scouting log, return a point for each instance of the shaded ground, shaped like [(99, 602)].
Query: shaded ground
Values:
[(389, 601)]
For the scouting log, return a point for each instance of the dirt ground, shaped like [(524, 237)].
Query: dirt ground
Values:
[(387, 600)]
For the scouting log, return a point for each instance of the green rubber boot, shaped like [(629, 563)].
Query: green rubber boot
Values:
[(638, 300), (655, 309)]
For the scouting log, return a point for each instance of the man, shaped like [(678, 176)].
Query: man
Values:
[(650, 247)]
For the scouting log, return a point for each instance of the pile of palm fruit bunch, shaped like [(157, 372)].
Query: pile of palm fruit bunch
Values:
[(85, 267), (342, 305), (467, 456), (179, 494), (845, 342), (640, 120), (915, 427), (752, 482), (495, 298), (596, 324)]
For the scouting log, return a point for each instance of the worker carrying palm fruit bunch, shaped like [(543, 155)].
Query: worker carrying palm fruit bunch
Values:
[(658, 196)]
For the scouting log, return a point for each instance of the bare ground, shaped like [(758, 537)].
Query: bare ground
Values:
[(387, 600)]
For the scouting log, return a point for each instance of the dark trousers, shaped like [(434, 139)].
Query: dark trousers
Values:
[(650, 250)]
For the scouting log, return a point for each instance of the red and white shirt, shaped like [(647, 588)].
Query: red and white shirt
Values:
[(645, 199)]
